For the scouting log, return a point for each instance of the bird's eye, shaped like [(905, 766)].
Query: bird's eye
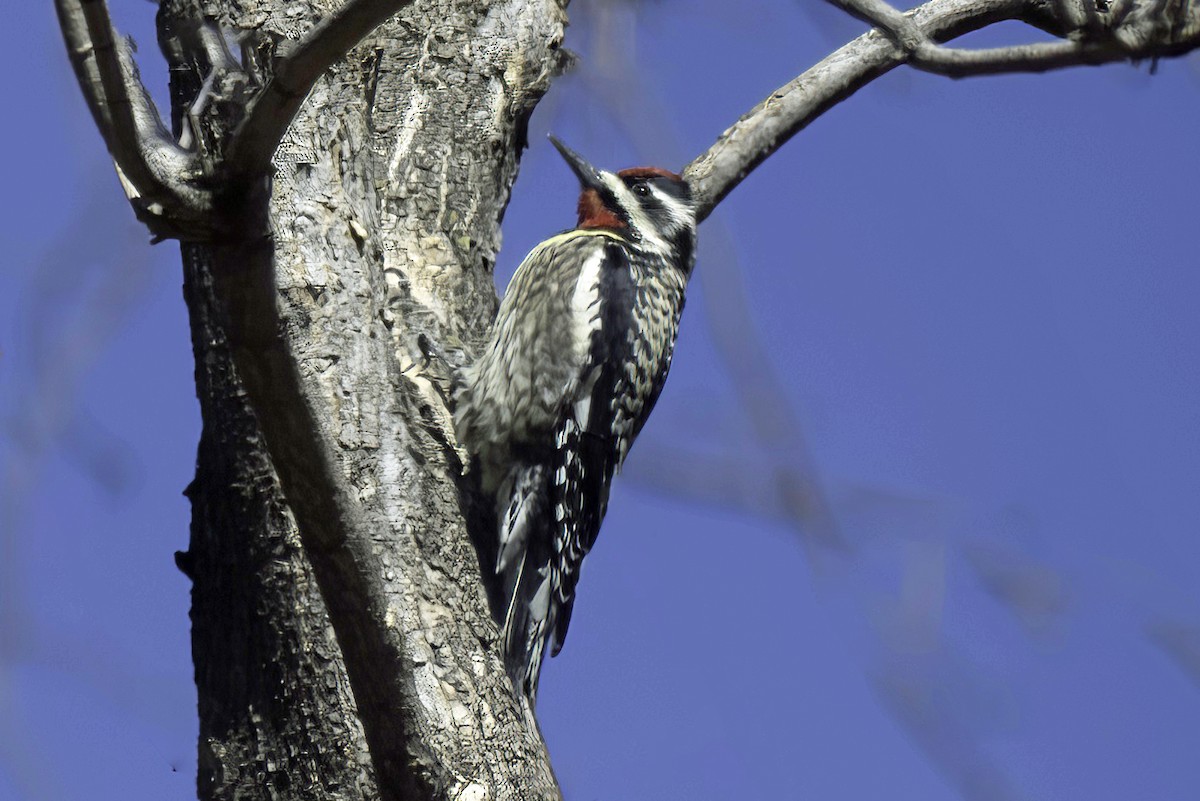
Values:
[(641, 190)]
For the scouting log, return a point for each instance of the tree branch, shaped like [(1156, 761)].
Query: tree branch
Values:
[(1106, 39), (888, 19), (156, 173), (1137, 30), (1034, 57), (780, 436), (295, 74), (159, 176)]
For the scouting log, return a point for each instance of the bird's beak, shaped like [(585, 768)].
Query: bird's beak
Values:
[(588, 176)]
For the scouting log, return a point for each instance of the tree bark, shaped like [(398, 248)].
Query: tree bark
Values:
[(356, 661), (342, 635)]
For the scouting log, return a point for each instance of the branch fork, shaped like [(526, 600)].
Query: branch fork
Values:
[(1122, 30), (1093, 31), (174, 185)]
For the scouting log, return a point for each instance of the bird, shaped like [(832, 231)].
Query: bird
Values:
[(576, 359)]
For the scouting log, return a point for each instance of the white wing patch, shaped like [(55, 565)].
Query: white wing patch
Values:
[(585, 305)]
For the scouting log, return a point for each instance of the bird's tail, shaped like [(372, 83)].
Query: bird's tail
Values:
[(524, 564)]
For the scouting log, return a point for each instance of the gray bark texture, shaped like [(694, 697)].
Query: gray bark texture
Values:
[(342, 628), (357, 660)]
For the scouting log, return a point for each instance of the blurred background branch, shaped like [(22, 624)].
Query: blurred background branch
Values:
[(1012, 407), (74, 300), (948, 703)]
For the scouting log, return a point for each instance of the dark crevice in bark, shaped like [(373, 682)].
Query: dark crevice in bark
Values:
[(276, 714), (342, 630)]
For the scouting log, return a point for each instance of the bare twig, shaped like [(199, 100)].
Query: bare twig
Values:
[(789, 109), (1151, 30), (1181, 642), (294, 76), (155, 171), (160, 176), (129, 127), (785, 491), (924, 54), (1034, 57), (890, 20), (82, 55)]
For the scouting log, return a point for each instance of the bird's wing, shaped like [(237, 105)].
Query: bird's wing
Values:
[(589, 437)]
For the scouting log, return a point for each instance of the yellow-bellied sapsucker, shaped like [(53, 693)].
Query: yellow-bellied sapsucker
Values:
[(576, 360)]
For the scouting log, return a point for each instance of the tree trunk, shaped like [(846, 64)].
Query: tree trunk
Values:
[(342, 636), (359, 662)]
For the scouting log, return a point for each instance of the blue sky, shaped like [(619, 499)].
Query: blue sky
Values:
[(974, 301)]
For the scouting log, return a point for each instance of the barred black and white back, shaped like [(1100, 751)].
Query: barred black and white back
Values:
[(578, 355)]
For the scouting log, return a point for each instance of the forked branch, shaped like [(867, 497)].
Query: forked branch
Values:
[(1096, 34), (156, 173), (1125, 30), (295, 73), (171, 187)]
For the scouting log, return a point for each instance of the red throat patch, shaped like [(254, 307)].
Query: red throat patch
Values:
[(594, 214)]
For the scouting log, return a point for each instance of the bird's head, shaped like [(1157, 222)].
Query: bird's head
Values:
[(649, 206)]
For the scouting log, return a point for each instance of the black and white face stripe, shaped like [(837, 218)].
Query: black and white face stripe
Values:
[(648, 206), (658, 209)]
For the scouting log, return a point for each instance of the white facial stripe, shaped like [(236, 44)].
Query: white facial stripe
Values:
[(679, 212), (626, 200)]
